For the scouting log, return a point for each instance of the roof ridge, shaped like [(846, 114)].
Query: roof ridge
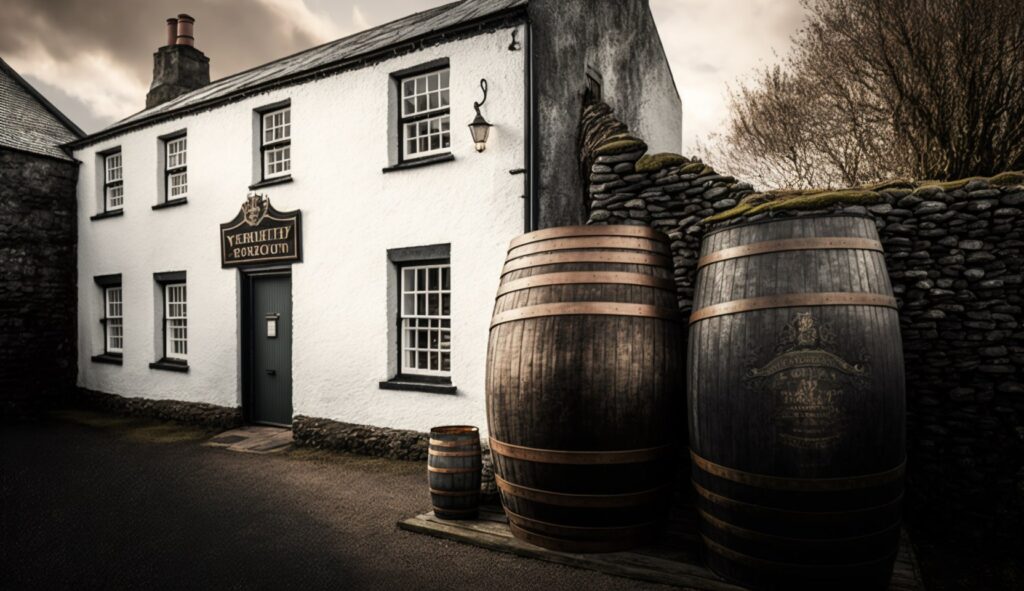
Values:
[(64, 120), (440, 8), (382, 42)]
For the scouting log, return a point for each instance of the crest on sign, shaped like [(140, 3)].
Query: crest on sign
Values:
[(260, 234)]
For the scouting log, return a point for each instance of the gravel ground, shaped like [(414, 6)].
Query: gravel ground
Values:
[(91, 501)]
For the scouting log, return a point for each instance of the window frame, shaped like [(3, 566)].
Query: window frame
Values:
[(108, 184), (107, 317), (275, 145), (168, 319), (403, 369), (171, 171), (436, 113)]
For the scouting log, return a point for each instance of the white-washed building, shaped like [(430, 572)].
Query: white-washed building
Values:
[(319, 237)]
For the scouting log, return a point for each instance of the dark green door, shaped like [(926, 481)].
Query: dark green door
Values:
[(271, 342)]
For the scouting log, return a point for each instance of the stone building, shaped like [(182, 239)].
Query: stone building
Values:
[(317, 241), (37, 248)]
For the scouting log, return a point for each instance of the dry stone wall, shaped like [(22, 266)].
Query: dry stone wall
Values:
[(954, 252)]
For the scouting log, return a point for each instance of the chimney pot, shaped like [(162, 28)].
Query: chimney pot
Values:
[(172, 31), (185, 30)]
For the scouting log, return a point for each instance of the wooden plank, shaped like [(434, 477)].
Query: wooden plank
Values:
[(668, 563), (624, 564)]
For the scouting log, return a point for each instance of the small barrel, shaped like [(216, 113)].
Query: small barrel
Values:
[(585, 386), (453, 471), (796, 404)]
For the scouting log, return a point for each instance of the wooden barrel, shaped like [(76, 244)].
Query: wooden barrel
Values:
[(796, 404), (453, 471), (585, 386)]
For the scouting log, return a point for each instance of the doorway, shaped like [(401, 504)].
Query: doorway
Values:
[(267, 348)]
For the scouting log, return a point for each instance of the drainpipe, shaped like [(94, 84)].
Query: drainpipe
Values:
[(531, 200)]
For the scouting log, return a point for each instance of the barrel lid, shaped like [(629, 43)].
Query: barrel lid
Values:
[(735, 225), (571, 231), (454, 430)]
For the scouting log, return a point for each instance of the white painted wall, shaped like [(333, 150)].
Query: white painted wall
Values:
[(343, 304)]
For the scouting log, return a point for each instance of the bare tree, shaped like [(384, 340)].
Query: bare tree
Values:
[(881, 88)]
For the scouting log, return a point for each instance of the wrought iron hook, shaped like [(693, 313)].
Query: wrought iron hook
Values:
[(483, 87)]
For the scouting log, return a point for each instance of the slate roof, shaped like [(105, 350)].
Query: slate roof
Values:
[(28, 122), (336, 53)]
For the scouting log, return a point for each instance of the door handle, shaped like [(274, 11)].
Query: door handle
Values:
[(271, 372)]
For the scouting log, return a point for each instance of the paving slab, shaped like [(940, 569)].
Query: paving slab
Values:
[(256, 439)]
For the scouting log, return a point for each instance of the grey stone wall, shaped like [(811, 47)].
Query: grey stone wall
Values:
[(954, 253), (37, 281), (395, 444), (200, 414)]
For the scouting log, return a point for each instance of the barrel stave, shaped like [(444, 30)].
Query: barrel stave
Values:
[(574, 383), (796, 411), (453, 471)]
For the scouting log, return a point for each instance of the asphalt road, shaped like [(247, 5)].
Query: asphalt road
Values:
[(90, 501)]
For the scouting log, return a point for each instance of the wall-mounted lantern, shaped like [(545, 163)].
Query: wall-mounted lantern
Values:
[(480, 128)]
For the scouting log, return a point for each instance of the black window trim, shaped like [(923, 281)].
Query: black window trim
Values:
[(166, 139), (260, 112), (105, 282), (106, 185), (434, 254), (163, 279), (397, 77)]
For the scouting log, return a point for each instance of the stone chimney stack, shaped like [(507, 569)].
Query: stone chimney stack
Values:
[(178, 67)]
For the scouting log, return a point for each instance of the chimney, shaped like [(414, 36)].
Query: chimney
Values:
[(178, 67)]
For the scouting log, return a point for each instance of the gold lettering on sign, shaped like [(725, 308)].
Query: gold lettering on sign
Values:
[(809, 385), (261, 234)]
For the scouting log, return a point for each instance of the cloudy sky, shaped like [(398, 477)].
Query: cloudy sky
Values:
[(93, 58)]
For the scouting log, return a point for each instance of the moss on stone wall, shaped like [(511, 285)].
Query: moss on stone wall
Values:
[(786, 200), (655, 162), (620, 146), (864, 195)]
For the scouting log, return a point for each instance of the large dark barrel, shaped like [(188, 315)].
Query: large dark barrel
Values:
[(796, 404), (584, 376), (453, 471)]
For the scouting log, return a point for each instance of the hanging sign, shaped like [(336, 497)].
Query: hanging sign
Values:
[(260, 234)]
